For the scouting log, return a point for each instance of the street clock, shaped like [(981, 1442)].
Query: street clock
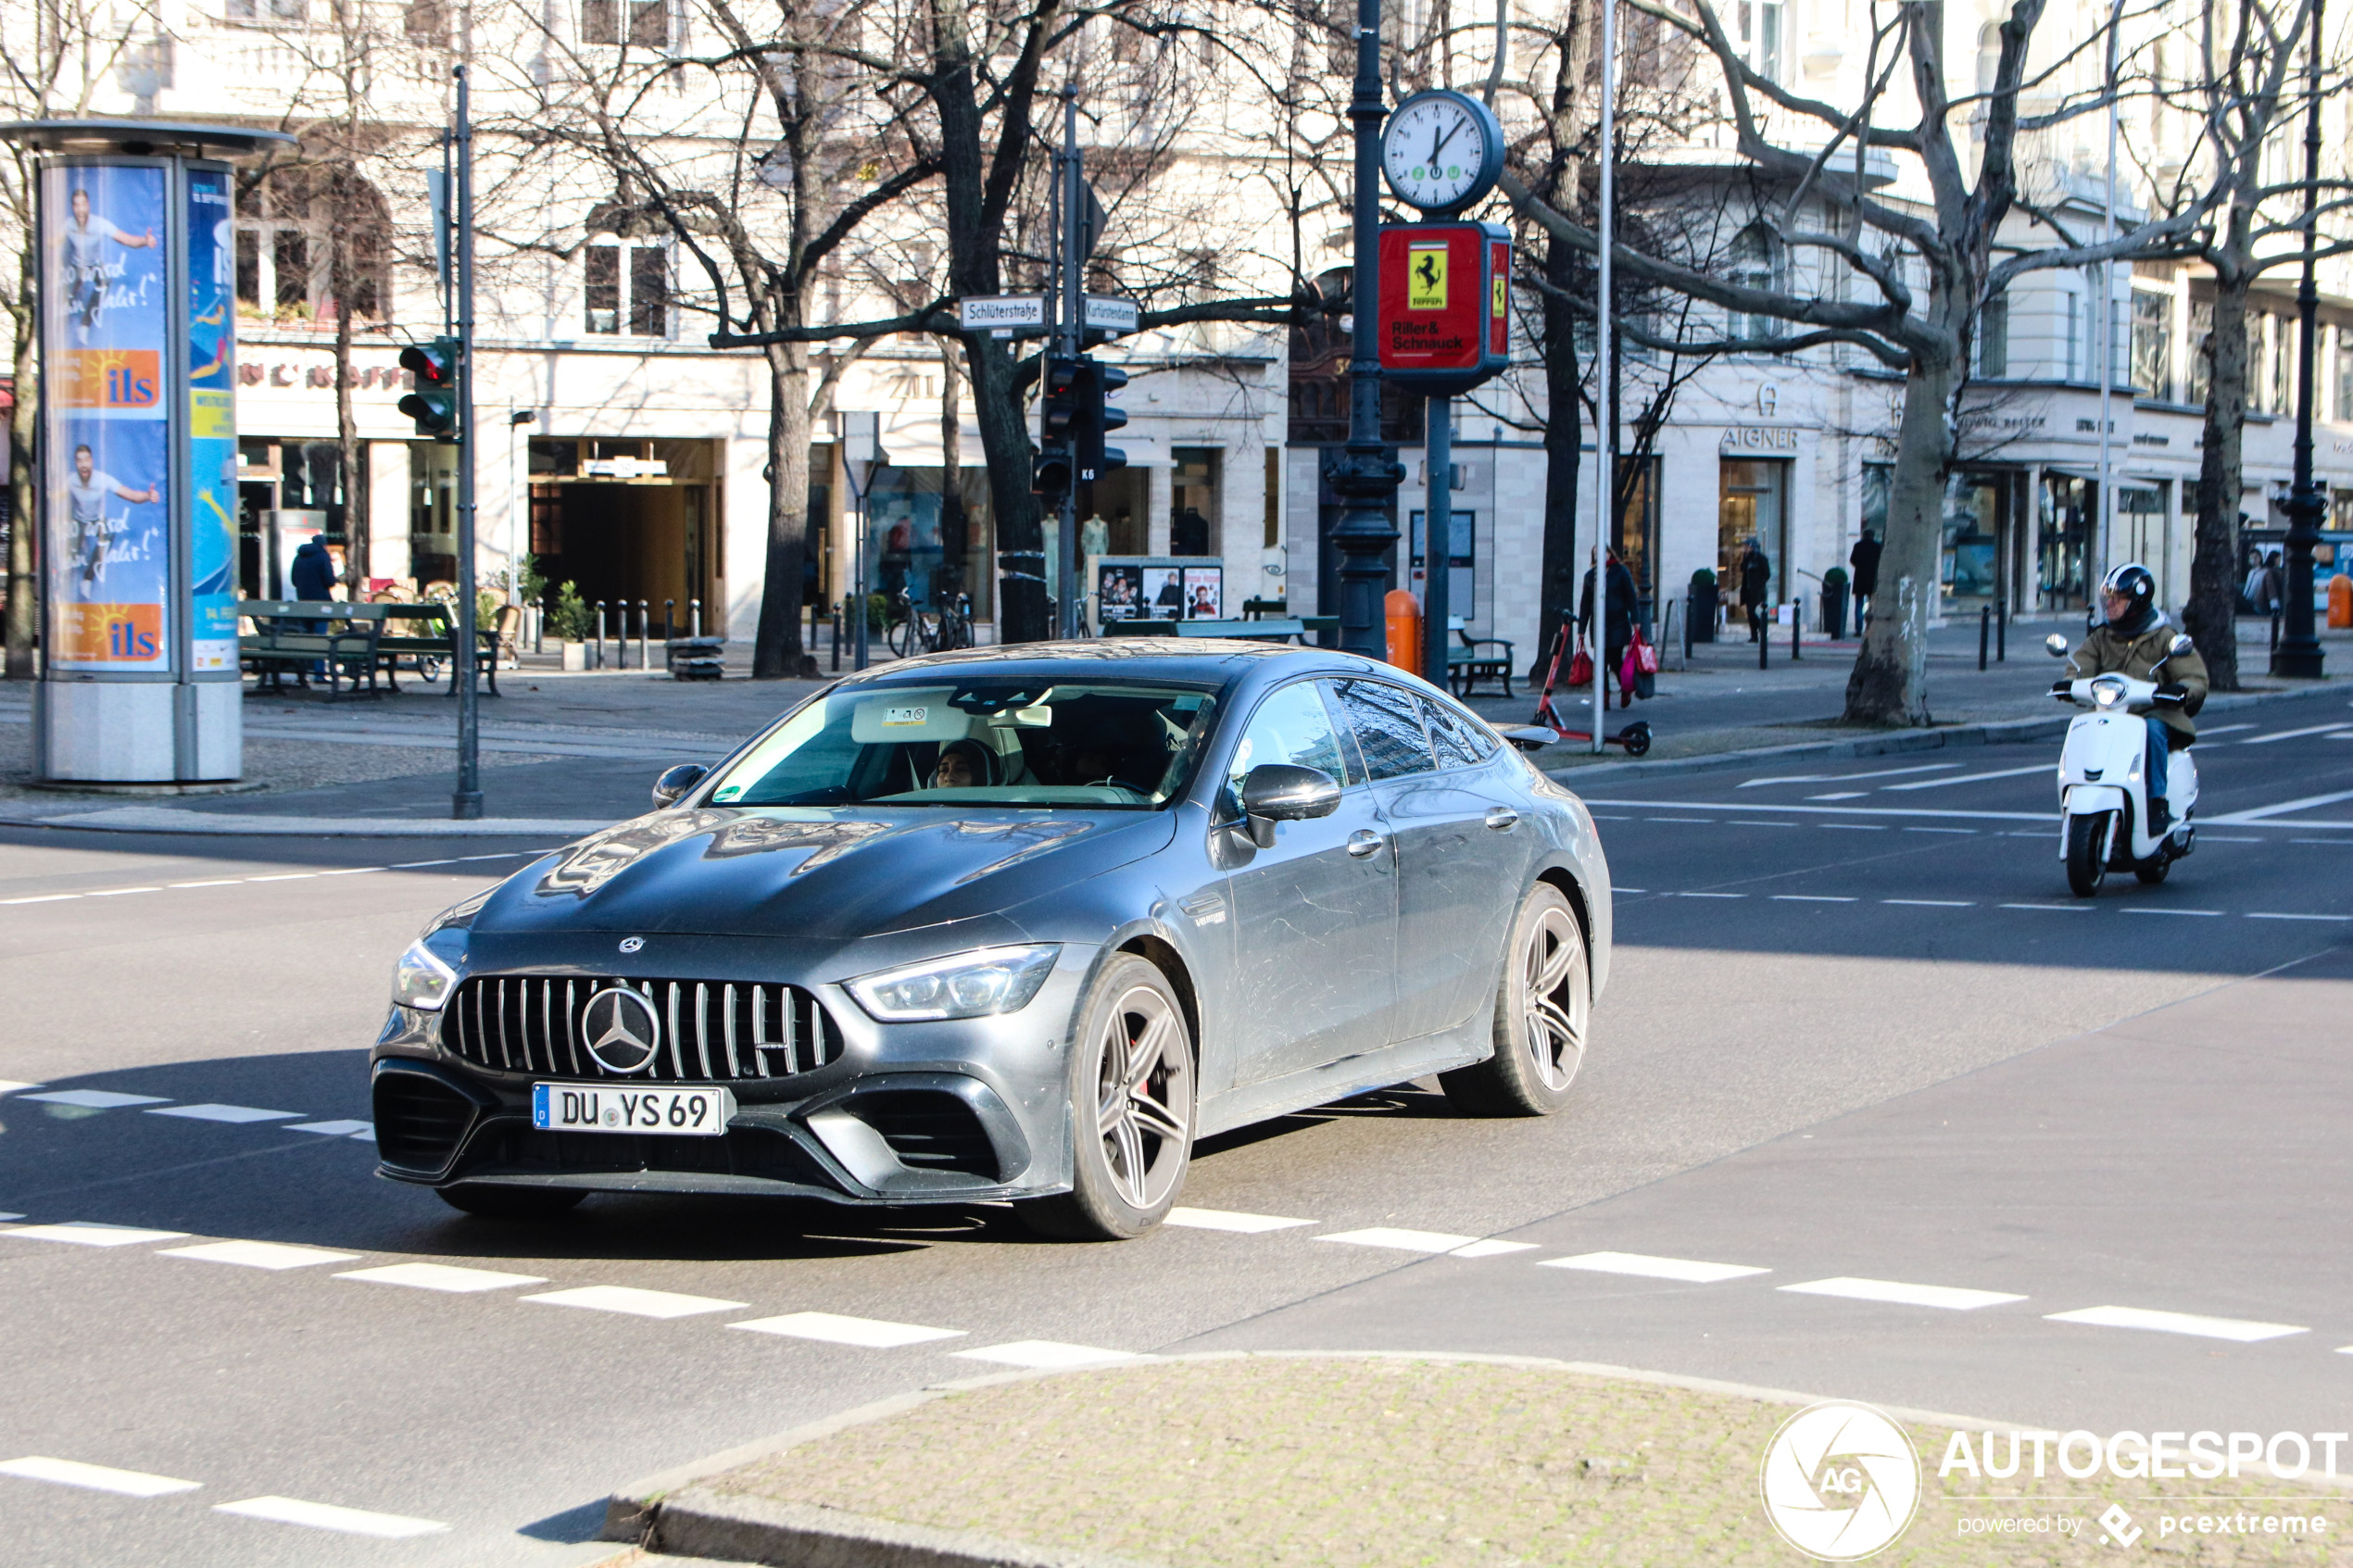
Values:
[(1441, 151)]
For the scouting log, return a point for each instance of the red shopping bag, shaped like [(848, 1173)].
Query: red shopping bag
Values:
[(1581, 667), (1637, 670)]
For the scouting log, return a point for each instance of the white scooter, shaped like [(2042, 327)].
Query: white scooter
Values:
[(2103, 785)]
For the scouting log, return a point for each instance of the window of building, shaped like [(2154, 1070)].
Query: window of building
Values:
[(2281, 342), (625, 288), (309, 244), (425, 21), (1753, 265), (2201, 366), (646, 22), (1193, 501), (1765, 38), (263, 10), (2344, 375), (2153, 343), (2074, 334), (1994, 336)]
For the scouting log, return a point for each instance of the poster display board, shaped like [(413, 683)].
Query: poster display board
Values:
[(1159, 588), (1445, 298), (212, 420)]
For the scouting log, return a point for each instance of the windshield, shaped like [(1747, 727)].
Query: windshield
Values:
[(978, 743)]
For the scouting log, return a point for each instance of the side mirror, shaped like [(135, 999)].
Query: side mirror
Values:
[(1530, 737), (1283, 792), (2056, 645), (2179, 645), (676, 782)]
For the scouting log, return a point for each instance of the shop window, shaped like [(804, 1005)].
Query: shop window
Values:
[(626, 288), (2153, 343), (2141, 527), (1193, 501), (2069, 510), (1749, 506), (1975, 510)]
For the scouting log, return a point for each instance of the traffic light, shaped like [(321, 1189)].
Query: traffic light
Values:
[(434, 406), (1050, 470), (1096, 419)]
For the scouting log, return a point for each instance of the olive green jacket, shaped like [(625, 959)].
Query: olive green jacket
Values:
[(2107, 651)]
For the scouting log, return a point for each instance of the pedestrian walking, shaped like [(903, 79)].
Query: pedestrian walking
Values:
[(1757, 581), (1617, 620), (312, 576), (1863, 560)]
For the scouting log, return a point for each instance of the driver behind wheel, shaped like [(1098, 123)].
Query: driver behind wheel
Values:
[(963, 764), (2133, 642)]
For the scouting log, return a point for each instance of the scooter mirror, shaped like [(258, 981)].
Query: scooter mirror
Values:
[(2056, 645), (2180, 645)]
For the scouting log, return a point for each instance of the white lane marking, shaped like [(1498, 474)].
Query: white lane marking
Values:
[(327, 1516), (352, 871), (6, 1216), (2208, 733), (1687, 1270), (97, 1099), (2292, 735), (217, 882), (2266, 915), (2255, 815), (1812, 898), (1951, 1299), (1842, 777), (1933, 903), (1684, 821), (1710, 895), (236, 1113), (1600, 817), (329, 1129), (284, 876), (366, 1134), (118, 891), (2240, 1330), (95, 1477), (441, 1276), (2223, 838), (43, 899), (89, 1232), (2162, 910), (637, 1303), (1225, 1220), (1973, 778), (1491, 1249), (1841, 795), (872, 1333), (413, 865), (1404, 1241), (2063, 908), (9, 1085), (1738, 823), (269, 1255), (1971, 832), (1630, 890), (1948, 812), (2320, 841), (1854, 827), (1043, 1353)]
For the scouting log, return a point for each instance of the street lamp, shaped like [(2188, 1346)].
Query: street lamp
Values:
[(2299, 650), (1366, 476)]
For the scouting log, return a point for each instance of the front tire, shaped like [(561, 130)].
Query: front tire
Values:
[(2087, 838), (1131, 1110), (510, 1203), (1543, 1013), (2152, 872)]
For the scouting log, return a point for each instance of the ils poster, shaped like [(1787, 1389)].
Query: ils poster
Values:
[(212, 418), (109, 451)]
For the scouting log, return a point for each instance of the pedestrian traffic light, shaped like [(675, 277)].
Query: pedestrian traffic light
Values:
[(1050, 470), (1096, 419), (433, 405)]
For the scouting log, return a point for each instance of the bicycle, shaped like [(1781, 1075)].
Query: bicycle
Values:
[(955, 624), (908, 629)]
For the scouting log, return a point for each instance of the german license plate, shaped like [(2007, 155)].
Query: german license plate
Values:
[(600, 1108)]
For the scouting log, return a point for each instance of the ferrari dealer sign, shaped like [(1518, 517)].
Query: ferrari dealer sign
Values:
[(1444, 325)]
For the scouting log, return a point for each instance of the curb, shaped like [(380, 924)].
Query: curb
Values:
[(2000, 731), (224, 825), (671, 1514)]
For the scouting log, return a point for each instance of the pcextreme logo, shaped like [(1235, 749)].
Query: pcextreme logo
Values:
[(1841, 1481)]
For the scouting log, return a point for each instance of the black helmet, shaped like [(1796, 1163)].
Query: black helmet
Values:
[(2135, 582)]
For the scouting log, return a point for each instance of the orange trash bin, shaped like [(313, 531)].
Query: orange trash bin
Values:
[(2341, 601), (1405, 613)]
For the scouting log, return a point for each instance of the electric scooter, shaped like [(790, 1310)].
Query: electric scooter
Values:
[(1635, 737), (2103, 781)]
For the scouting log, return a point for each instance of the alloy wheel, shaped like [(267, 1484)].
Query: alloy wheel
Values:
[(1144, 1097), (1553, 997)]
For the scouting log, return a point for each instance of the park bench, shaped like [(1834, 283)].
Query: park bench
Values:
[(296, 636), (434, 635), (1467, 664)]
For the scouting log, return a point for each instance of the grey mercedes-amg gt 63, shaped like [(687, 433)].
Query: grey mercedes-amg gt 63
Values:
[(1008, 925)]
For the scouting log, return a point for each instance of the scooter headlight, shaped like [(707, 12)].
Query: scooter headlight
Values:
[(2108, 692)]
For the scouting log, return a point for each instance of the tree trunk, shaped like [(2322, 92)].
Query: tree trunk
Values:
[(23, 496), (1889, 684), (1564, 435), (776, 648), (1021, 539), (954, 540), (2211, 616), (355, 485)]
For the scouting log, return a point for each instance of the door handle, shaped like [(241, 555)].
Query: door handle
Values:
[(1364, 842), (1503, 818)]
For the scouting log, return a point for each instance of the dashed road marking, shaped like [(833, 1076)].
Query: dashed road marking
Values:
[(1423, 1241), (2265, 914), (2292, 735), (1844, 778), (637, 1303), (1711, 895), (1968, 832), (94, 1477), (1841, 795), (2169, 910), (1491, 1247), (1933, 903), (332, 1129), (216, 881), (2239, 1330), (270, 1255), (872, 1333), (327, 1516), (96, 1099), (1044, 1353), (1951, 1299), (1687, 1270), (1853, 827), (9, 1085), (1684, 821), (42, 899), (232, 1113), (1222, 1220), (2068, 908), (1973, 778), (1812, 899), (1760, 824), (118, 891), (89, 1232), (441, 1276)]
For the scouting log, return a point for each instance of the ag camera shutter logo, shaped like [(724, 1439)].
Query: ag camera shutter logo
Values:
[(1841, 1481)]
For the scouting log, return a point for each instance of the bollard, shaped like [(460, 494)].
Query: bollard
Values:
[(837, 609), (1764, 642), (1796, 629), (669, 619), (694, 618), (2001, 631), (1984, 633), (2275, 631), (601, 634), (642, 609), (1404, 613)]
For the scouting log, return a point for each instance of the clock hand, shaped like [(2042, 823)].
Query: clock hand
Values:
[(1439, 146)]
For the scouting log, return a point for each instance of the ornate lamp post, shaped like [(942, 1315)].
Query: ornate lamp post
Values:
[(1366, 475), (2299, 649)]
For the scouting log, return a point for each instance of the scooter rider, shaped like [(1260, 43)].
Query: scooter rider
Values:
[(2134, 641)]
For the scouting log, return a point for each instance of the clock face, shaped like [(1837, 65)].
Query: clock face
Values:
[(1437, 151)]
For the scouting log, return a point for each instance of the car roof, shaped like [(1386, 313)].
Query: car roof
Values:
[(1193, 661)]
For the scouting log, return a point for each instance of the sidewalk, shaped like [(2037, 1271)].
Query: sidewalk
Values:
[(1243, 1461)]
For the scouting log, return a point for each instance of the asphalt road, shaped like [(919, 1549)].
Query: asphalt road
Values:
[(1857, 1033)]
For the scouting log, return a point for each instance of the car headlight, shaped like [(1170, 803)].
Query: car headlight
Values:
[(975, 984), (423, 978)]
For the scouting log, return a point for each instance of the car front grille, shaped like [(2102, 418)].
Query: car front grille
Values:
[(713, 1032), (418, 1120)]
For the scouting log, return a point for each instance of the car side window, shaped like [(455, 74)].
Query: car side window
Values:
[(1290, 726), (1459, 742), (1388, 722)]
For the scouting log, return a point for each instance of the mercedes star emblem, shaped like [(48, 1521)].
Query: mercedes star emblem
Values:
[(632, 944), (623, 1029)]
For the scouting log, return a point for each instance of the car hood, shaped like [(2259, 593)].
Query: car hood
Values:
[(838, 874)]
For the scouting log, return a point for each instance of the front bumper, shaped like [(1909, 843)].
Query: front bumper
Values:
[(908, 1113)]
